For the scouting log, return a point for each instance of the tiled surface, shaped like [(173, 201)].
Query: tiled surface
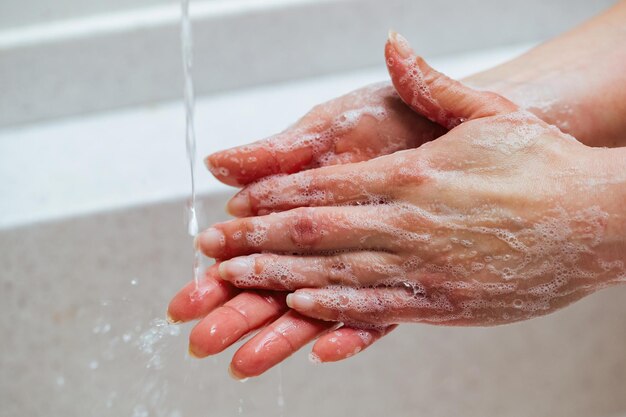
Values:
[(63, 282)]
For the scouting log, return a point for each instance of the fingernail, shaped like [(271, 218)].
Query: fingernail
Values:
[(170, 319), (300, 301), (239, 205), (208, 163), (193, 354), (401, 44), (211, 241), (213, 169), (235, 268), (236, 375)]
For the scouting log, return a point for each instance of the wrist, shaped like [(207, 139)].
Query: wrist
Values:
[(613, 186), (576, 81), (548, 100), (605, 188)]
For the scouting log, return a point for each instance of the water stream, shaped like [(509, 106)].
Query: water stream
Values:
[(190, 133)]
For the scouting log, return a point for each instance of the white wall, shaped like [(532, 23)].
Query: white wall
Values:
[(93, 63)]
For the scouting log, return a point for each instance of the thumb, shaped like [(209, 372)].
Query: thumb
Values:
[(433, 94)]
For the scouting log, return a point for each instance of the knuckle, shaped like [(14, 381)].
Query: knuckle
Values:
[(260, 194), (254, 231), (339, 271), (259, 263), (412, 169), (313, 190), (305, 227)]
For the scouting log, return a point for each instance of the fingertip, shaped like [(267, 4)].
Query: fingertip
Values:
[(194, 301), (300, 301), (221, 270), (321, 353), (235, 268), (335, 346), (209, 162), (399, 45), (236, 374), (196, 340), (248, 361), (239, 205), (211, 242), (194, 352), (171, 317), (214, 164), (209, 338), (180, 308)]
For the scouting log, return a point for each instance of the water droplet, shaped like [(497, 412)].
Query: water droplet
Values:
[(313, 358), (140, 410)]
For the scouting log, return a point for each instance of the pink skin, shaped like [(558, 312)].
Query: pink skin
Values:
[(286, 153), (402, 129), (322, 138), (576, 81), (227, 315), (396, 253)]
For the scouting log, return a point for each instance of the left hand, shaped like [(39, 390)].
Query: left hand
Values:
[(228, 315)]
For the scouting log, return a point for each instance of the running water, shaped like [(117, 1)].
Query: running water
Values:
[(280, 400), (190, 134)]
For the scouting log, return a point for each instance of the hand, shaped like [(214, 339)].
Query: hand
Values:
[(546, 81), (502, 219), (301, 155), (364, 124), (227, 315)]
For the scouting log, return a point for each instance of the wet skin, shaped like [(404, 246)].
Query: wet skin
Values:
[(478, 227), (229, 313)]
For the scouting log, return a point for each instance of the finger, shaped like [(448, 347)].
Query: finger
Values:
[(283, 153), (358, 183), (193, 302), (358, 126), (285, 272), (371, 306), (238, 317), (303, 230), (346, 342), (275, 343), (434, 95)]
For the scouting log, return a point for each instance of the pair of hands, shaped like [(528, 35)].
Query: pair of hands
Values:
[(376, 223)]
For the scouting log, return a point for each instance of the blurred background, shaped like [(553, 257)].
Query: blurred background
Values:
[(93, 179)]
